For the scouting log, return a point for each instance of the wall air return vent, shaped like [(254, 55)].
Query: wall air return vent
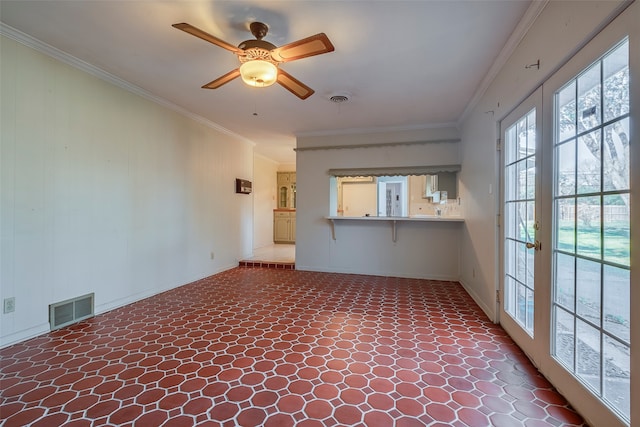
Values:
[(70, 311)]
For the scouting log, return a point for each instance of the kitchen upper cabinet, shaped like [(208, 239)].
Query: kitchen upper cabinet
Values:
[(286, 190), (435, 184)]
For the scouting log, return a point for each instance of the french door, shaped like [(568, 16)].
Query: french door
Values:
[(565, 232), (591, 245), (520, 213)]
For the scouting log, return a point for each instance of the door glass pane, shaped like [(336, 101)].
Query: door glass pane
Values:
[(522, 304), (588, 290), (588, 226), (564, 337), (589, 98), (521, 263), (510, 150), (566, 224), (616, 156), (617, 229), (511, 223), (589, 162), (530, 191), (510, 262), (566, 106), (617, 375), (592, 224), (616, 83), (510, 294), (530, 231), (565, 280), (529, 310), (617, 311), (531, 132), (522, 179), (523, 221), (530, 264), (588, 354), (566, 158), (510, 181), (521, 138)]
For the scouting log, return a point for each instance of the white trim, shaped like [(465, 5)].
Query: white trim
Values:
[(29, 41), (359, 131), (21, 336), (403, 275), (376, 145)]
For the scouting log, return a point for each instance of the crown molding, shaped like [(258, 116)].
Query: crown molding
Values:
[(377, 145), (527, 20), (377, 130), (29, 41)]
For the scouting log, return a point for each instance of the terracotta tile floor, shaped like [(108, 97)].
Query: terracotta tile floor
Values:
[(254, 347)]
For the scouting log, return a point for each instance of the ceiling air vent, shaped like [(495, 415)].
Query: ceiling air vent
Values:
[(339, 98), (71, 311)]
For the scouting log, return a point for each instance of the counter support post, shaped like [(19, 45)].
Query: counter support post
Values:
[(333, 229)]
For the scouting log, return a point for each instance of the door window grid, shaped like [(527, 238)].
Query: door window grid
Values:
[(520, 151), (592, 229)]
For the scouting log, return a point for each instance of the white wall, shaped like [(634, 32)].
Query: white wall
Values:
[(422, 250), (265, 181), (104, 191)]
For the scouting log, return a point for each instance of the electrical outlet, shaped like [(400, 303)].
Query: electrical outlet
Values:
[(213, 255), (9, 305), (473, 273)]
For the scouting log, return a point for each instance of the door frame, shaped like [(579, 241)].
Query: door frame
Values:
[(529, 344)]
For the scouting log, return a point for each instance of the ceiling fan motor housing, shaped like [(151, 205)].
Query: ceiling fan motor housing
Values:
[(256, 49)]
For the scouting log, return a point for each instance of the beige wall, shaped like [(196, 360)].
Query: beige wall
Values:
[(104, 191), (264, 200)]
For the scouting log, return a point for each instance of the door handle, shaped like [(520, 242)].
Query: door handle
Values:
[(535, 245)]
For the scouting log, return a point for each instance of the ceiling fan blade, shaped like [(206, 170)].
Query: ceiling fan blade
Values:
[(314, 45), (187, 28), (222, 80), (294, 85)]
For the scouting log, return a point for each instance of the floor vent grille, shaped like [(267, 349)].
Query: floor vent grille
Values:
[(73, 310)]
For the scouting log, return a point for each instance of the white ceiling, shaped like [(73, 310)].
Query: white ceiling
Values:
[(403, 64)]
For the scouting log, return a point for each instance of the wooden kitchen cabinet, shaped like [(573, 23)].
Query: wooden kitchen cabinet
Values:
[(284, 226)]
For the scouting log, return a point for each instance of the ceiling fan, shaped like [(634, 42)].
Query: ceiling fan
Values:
[(260, 60)]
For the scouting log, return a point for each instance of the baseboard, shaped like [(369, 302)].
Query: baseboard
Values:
[(24, 335), (490, 312), (380, 274)]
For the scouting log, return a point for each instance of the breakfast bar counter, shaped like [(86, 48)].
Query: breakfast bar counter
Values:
[(393, 221)]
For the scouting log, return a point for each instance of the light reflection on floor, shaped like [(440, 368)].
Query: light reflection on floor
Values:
[(275, 253)]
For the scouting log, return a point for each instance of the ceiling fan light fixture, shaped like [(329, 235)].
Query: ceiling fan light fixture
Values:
[(259, 73)]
